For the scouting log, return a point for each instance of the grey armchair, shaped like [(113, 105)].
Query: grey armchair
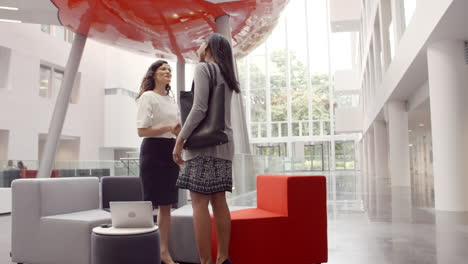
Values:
[(121, 188), (52, 219)]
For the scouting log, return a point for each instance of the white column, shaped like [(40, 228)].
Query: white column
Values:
[(398, 139), (180, 77), (61, 106), (382, 180), (239, 124), (448, 80), (371, 173), (181, 87), (364, 171)]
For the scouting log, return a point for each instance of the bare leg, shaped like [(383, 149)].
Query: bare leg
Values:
[(202, 225), (222, 219), (164, 224)]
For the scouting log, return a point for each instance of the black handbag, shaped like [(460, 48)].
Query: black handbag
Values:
[(210, 131)]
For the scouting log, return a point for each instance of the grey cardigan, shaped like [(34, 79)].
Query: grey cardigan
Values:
[(198, 113)]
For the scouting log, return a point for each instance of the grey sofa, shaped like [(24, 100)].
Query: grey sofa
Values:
[(52, 219), (182, 243)]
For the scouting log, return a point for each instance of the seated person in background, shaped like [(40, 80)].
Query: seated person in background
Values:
[(10, 165), (21, 166)]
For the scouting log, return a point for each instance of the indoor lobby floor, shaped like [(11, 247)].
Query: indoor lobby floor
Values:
[(390, 231)]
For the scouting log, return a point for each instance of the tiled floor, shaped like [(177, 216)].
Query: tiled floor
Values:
[(389, 231)]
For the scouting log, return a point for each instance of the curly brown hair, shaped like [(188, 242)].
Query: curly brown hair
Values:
[(148, 83)]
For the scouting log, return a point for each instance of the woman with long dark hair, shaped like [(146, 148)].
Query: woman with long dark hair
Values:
[(207, 172), (157, 122)]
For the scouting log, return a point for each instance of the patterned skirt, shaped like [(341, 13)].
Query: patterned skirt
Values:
[(206, 175)]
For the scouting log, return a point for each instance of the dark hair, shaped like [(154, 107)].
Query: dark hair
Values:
[(221, 51), (148, 83), (21, 165)]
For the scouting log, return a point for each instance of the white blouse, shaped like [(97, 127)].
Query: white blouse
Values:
[(157, 110)]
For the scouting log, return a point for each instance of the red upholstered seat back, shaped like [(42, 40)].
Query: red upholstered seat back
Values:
[(291, 195), (272, 193), (303, 200)]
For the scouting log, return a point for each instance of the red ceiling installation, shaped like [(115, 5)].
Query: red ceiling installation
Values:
[(169, 28)]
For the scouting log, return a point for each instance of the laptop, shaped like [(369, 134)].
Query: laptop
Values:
[(132, 214)]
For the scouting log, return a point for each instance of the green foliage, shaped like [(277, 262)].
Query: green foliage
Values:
[(278, 84)]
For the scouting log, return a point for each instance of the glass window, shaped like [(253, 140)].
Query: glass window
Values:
[(258, 105), (275, 130), (300, 105), (263, 130), (284, 129), (316, 130), (295, 129), (277, 53), (317, 24), (45, 81), (326, 128), (314, 153), (275, 150), (297, 43), (254, 130), (279, 105), (257, 68), (320, 97), (305, 128), (344, 155)]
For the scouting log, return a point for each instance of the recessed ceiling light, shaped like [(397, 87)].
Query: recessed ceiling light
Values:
[(175, 16), (10, 20), (191, 12), (9, 8), (410, 145), (421, 125), (410, 131)]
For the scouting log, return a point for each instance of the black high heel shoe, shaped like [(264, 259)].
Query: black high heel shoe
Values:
[(227, 261)]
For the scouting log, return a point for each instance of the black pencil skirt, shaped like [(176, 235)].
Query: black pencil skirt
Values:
[(158, 171)]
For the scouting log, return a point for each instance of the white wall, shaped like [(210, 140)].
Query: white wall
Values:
[(5, 198), (27, 115), (346, 81), (125, 69), (348, 120), (5, 55), (67, 149), (3, 144), (408, 70), (345, 10), (120, 122)]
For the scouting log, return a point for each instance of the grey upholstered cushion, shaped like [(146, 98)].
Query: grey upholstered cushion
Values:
[(182, 237), (67, 195), (48, 225), (121, 188), (68, 235)]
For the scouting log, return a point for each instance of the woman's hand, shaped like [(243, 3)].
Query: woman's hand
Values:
[(176, 129), (177, 152)]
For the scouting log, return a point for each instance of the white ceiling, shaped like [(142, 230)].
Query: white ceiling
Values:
[(453, 25), (421, 115), (30, 11)]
